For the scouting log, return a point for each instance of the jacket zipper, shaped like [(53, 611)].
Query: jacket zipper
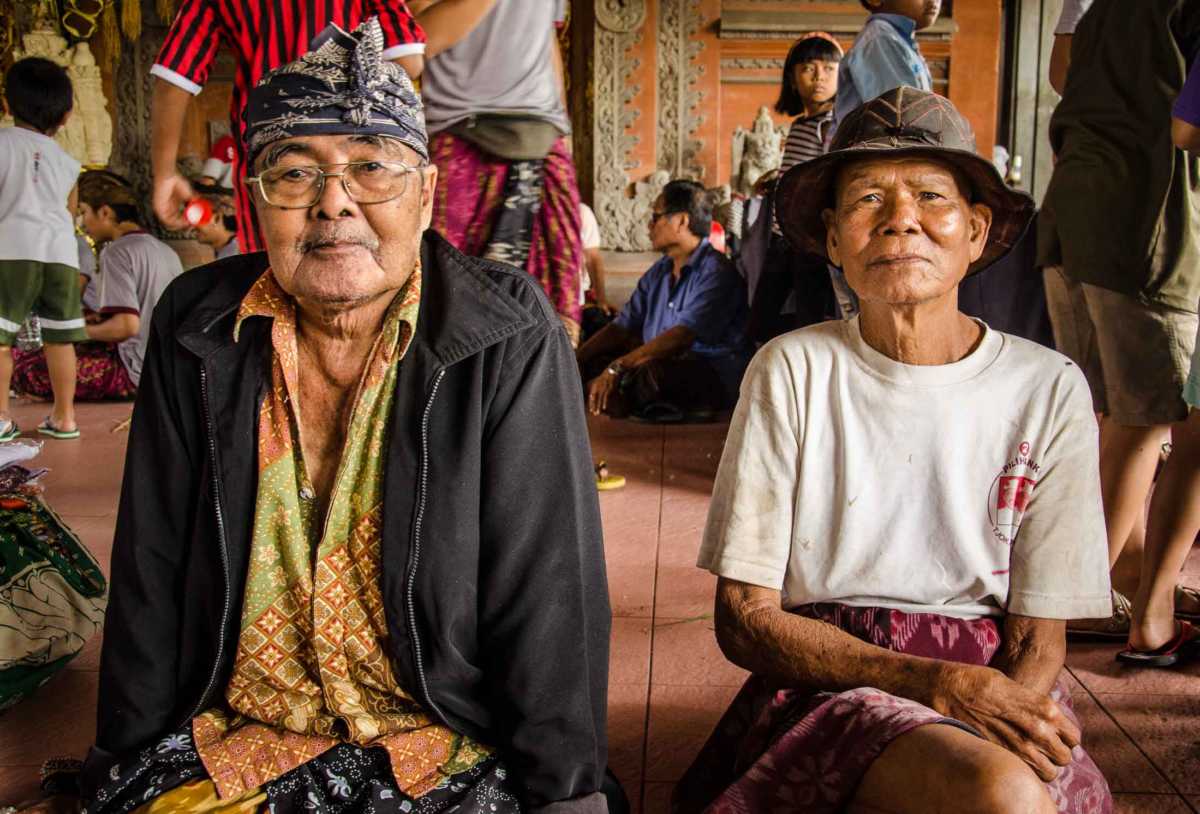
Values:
[(416, 556), (216, 493)]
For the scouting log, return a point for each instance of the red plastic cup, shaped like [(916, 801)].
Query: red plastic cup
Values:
[(198, 212)]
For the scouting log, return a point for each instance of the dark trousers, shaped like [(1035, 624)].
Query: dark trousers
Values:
[(787, 272), (687, 382)]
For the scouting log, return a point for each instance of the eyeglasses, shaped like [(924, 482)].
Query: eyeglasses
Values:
[(300, 187)]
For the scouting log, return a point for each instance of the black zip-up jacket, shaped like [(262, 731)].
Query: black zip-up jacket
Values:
[(493, 565)]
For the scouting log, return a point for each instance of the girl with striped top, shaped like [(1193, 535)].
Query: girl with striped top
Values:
[(807, 91)]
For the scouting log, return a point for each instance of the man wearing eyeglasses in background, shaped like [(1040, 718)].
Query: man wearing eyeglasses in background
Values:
[(315, 603), (678, 348)]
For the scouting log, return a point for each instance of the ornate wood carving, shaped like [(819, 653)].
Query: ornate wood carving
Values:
[(678, 100), (621, 16)]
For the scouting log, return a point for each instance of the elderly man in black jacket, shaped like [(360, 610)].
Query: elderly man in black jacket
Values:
[(340, 577)]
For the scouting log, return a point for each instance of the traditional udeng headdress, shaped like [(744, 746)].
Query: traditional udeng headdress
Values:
[(342, 86)]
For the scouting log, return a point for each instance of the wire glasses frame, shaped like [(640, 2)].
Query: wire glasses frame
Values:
[(301, 187)]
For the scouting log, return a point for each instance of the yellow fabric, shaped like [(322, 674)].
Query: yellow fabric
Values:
[(200, 797), (312, 666)]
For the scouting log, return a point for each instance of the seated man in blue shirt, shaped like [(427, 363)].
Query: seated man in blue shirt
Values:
[(679, 345)]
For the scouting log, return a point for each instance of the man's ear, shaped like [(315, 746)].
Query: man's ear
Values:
[(980, 225), (429, 176), (831, 247)]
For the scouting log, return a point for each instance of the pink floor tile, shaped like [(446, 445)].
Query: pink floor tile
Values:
[(629, 656), (684, 591), (657, 798), (1150, 804), (1192, 564), (96, 533), (681, 719), (1125, 768), (631, 588), (626, 731), (1166, 728), (1096, 667), (57, 720), (686, 652)]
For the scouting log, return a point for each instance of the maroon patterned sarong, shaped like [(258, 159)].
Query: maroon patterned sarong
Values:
[(99, 373), (797, 750), (471, 193)]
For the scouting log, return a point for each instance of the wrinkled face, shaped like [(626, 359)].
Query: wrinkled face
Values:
[(816, 81), (924, 12), (902, 230), (339, 253)]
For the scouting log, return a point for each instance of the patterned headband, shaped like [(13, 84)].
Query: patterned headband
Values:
[(342, 86)]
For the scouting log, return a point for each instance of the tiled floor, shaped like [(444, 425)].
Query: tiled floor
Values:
[(669, 683)]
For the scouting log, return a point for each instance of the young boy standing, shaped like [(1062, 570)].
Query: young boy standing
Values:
[(39, 260), (885, 55)]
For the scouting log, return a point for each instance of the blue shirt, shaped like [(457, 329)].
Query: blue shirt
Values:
[(884, 56), (709, 299)]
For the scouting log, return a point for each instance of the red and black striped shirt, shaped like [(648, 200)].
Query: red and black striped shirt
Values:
[(263, 35)]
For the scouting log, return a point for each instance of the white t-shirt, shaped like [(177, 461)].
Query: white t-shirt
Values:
[(849, 477), (1072, 13), (135, 269), (36, 178)]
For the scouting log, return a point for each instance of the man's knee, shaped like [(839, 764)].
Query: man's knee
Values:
[(1005, 784)]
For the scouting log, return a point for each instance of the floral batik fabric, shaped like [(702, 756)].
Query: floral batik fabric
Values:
[(312, 669)]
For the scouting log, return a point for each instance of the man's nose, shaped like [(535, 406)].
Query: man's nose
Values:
[(334, 202), (900, 215)]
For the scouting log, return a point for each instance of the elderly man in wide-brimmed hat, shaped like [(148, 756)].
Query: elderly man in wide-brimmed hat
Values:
[(907, 510), (341, 581)]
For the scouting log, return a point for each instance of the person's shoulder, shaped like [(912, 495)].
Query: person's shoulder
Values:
[(1041, 370), (804, 348), (217, 286)]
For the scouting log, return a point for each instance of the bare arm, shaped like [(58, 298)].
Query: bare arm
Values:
[(448, 21), (610, 338), (1185, 135), (1033, 651), (667, 344), (1060, 60), (413, 64), (116, 328), (755, 632), (595, 267), (171, 190)]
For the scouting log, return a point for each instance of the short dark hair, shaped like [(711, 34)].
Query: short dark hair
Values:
[(803, 50), (39, 93), (99, 188), (691, 199)]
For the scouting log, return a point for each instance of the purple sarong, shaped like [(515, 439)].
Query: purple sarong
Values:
[(798, 750)]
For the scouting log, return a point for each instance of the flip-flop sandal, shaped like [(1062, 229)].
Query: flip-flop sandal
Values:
[(606, 482), (1193, 596), (1114, 628), (1181, 648), (10, 430), (46, 428), (658, 412)]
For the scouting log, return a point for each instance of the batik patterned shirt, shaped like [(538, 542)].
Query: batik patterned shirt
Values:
[(312, 667)]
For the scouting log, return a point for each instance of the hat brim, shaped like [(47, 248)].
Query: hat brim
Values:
[(806, 190)]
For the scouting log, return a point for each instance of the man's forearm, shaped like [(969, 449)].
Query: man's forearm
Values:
[(754, 632), (167, 113), (448, 21), (609, 339), (664, 346), (1033, 651), (114, 329)]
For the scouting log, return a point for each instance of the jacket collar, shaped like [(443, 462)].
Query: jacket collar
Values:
[(462, 310)]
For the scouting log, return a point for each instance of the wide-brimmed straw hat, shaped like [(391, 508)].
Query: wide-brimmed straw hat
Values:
[(901, 123)]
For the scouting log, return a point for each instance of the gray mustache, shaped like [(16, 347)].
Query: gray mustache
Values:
[(328, 237)]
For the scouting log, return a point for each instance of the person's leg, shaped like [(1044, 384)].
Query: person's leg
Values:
[(22, 282), (60, 361), (936, 768), (1174, 524), (6, 371), (1128, 459), (61, 313)]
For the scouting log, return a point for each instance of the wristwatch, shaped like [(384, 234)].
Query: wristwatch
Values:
[(616, 369)]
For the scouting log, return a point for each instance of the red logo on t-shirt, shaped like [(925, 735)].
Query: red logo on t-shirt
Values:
[(1010, 494)]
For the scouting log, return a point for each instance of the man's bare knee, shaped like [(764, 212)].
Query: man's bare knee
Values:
[(1005, 784)]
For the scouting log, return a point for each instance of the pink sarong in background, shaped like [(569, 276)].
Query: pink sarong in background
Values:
[(470, 193), (797, 750), (99, 373)]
